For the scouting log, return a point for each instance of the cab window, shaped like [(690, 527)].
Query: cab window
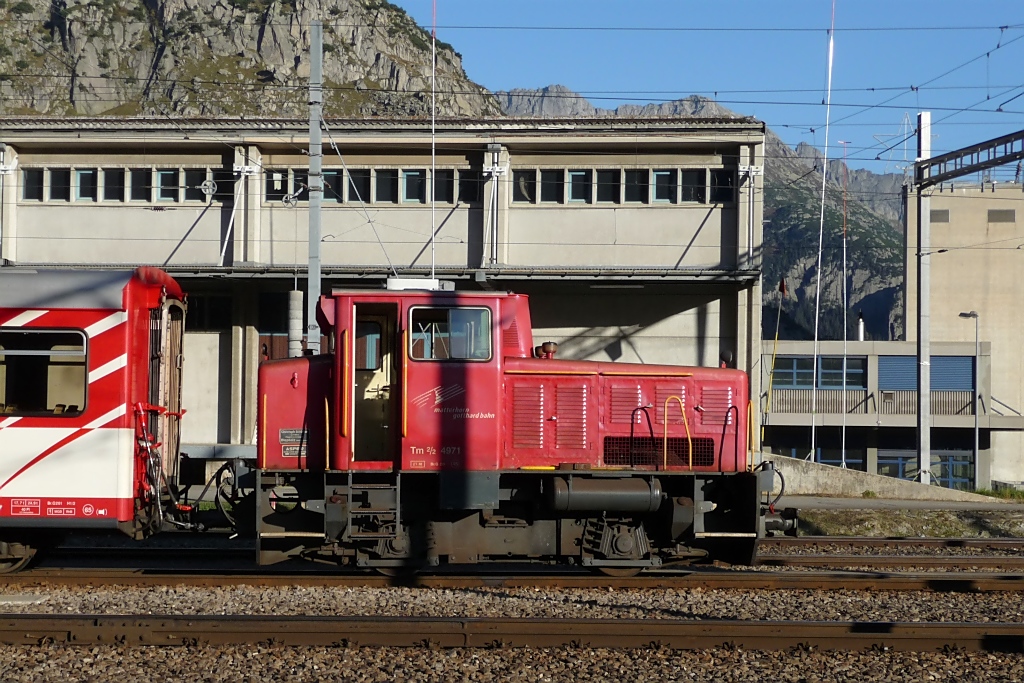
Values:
[(450, 333)]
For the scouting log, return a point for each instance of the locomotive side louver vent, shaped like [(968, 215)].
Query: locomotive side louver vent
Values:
[(528, 416), (571, 426), (624, 399), (664, 393), (510, 336), (717, 404)]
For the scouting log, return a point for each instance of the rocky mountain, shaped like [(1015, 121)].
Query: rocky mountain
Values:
[(793, 217), (214, 57)]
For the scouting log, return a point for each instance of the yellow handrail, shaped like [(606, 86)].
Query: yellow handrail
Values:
[(689, 437)]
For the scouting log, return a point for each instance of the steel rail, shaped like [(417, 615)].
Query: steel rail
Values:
[(953, 582), (504, 633), (895, 561), (886, 542)]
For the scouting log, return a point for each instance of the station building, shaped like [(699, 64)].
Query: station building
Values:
[(977, 251), (638, 240)]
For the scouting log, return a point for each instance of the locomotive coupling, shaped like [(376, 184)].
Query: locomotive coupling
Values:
[(787, 521)]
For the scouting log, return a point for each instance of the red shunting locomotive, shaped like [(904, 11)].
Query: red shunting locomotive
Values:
[(435, 432)]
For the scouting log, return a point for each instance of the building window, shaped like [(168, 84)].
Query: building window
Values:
[(359, 185), (552, 186), (32, 182), (277, 185), (1002, 216), (608, 186), (524, 186), (940, 215), (194, 179), (113, 184), (60, 184), (142, 185), (450, 334), (42, 372), (333, 186), (692, 185), (386, 190), (415, 189), (470, 182), (665, 184), (579, 186), (723, 184), (830, 373), (86, 184), (444, 186), (796, 372), (793, 373), (300, 185), (167, 185), (638, 186)]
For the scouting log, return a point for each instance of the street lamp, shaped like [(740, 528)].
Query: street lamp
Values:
[(974, 314)]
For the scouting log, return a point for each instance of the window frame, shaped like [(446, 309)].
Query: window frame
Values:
[(416, 175), (673, 185), (583, 178), (58, 191), (641, 182), (542, 197), (612, 190), (5, 354), (524, 186), (37, 184), (488, 325)]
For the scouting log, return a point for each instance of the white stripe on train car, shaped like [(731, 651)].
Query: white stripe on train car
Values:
[(113, 414), (24, 318), (110, 322), (98, 464), (107, 368), (8, 422)]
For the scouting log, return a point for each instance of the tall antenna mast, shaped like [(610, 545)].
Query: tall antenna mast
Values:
[(315, 181), (821, 236), (846, 304), (433, 129)]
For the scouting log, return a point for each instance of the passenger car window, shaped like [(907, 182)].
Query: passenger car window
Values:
[(42, 372)]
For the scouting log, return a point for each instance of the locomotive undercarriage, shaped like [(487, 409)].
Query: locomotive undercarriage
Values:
[(607, 521)]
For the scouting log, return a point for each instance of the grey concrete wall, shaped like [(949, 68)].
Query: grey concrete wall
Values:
[(804, 478)]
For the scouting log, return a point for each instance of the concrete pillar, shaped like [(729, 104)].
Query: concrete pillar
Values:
[(244, 362), (9, 186)]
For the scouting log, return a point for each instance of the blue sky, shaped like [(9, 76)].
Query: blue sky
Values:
[(765, 59)]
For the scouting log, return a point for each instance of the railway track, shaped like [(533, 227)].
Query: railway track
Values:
[(709, 578), (505, 633)]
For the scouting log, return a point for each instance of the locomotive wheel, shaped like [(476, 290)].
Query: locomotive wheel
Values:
[(396, 572), (16, 558), (619, 572)]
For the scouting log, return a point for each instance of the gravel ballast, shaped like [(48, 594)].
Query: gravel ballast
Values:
[(249, 664), (795, 605)]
